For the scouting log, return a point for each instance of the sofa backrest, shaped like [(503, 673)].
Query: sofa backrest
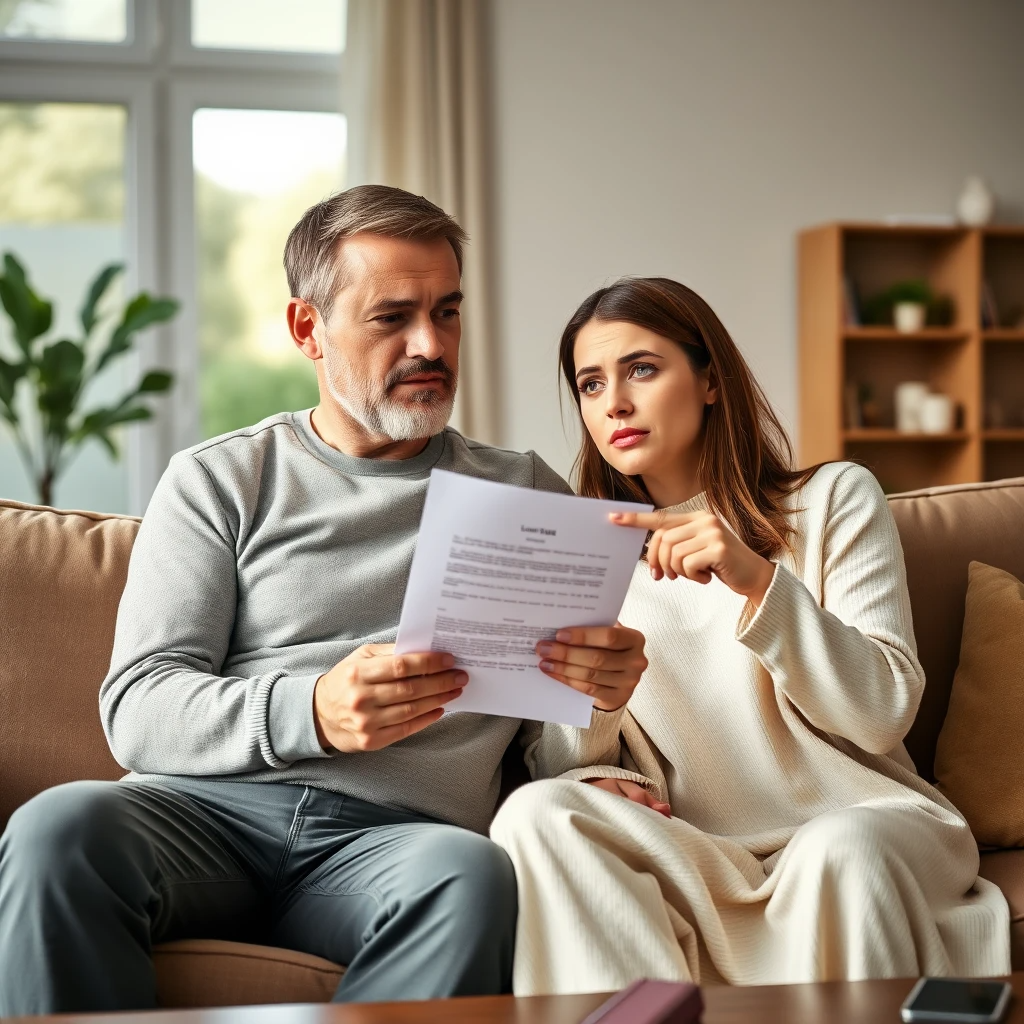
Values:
[(61, 577), (62, 573), (943, 530)]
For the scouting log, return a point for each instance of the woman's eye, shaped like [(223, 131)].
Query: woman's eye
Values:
[(589, 387), (642, 370)]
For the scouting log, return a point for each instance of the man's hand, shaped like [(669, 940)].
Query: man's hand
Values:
[(632, 791), (604, 662), (374, 697)]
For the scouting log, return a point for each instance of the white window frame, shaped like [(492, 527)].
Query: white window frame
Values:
[(162, 80), (140, 38)]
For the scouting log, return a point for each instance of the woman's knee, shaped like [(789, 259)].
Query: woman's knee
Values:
[(536, 808), (856, 837)]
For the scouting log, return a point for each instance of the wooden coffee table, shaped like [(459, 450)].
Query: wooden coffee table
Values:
[(859, 1002)]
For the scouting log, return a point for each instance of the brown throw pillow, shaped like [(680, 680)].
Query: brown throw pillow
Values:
[(978, 762)]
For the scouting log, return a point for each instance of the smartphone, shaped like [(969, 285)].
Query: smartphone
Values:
[(959, 1000)]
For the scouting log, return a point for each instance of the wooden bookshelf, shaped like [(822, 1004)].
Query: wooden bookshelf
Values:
[(980, 368)]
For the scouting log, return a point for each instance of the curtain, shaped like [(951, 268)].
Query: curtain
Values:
[(413, 91)]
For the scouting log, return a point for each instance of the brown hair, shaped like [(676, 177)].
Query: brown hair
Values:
[(310, 254), (746, 460)]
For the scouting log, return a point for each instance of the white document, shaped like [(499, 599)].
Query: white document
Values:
[(499, 568)]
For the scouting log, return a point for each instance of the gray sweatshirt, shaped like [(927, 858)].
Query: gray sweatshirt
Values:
[(266, 557)]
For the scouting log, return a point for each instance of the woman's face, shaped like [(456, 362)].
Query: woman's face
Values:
[(642, 402)]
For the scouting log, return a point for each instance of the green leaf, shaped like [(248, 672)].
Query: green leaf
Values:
[(14, 270), (62, 362), (143, 311), (105, 439), (117, 346), (96, 292), (99, 421), (30, 315), (10, 374), (155, 381), (138, 412), (59, 381)]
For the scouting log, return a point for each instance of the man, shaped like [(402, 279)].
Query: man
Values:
[(293, 779)]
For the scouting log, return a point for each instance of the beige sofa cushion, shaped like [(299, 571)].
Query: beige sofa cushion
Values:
[(944, 529), (210, 972), (62, 575), (978, 762)]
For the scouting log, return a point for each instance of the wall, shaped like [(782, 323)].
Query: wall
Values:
[(693, 139)]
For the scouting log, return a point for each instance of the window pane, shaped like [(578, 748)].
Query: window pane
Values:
[(61, 215), (251, 188), (90, 21), (299, 26)]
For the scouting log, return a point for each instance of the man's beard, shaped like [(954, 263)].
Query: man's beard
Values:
[(374, 408)]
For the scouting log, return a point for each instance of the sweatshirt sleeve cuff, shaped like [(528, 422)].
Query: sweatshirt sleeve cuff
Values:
[(607, 771), (604, 726), (761, 629), (291, 731)]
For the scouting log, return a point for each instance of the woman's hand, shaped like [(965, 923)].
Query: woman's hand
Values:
[(604, 662), (632, 791), (698, 545)]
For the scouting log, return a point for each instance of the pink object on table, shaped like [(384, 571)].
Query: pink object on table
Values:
[(651, 1002)]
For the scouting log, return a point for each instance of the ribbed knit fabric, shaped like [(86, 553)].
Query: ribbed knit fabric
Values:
[(265, 558), (803, 846)]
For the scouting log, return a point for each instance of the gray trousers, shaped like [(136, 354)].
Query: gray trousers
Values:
[(92, 874)]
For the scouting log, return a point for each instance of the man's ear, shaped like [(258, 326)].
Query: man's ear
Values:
[(303, 320)]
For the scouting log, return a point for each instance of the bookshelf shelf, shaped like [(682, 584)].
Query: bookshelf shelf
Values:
[(1004, 434), (1002, 334), (929, 334), (882, 435), (978, 360)]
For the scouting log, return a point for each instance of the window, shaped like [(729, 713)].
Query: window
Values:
[(93, 21), (192, 192), (299, 26), (250, 190), (62, 215)]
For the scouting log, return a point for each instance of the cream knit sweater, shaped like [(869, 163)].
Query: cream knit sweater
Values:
[(803, 846)]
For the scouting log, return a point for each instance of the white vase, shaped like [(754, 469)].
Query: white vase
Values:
[(976, 203), (909, 398), (936, 414), (908, 316)]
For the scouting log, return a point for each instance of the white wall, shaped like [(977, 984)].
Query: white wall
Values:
[(694, 138)]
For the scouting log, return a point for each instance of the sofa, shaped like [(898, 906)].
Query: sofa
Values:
[(61, 576)]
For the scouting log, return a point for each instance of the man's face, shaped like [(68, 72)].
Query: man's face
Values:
[(390, 342)]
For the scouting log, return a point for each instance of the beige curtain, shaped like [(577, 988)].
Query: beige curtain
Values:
[(413, 92)]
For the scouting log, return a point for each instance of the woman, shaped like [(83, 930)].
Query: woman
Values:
[(752, 817)]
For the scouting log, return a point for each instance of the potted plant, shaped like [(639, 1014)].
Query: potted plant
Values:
[(47, 423), (909, 301), (909, 306)]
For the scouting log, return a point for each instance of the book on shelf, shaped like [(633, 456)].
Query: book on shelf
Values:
[(851, 303), (989, 309)]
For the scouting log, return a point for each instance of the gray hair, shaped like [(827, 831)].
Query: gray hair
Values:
[(311, 252)]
